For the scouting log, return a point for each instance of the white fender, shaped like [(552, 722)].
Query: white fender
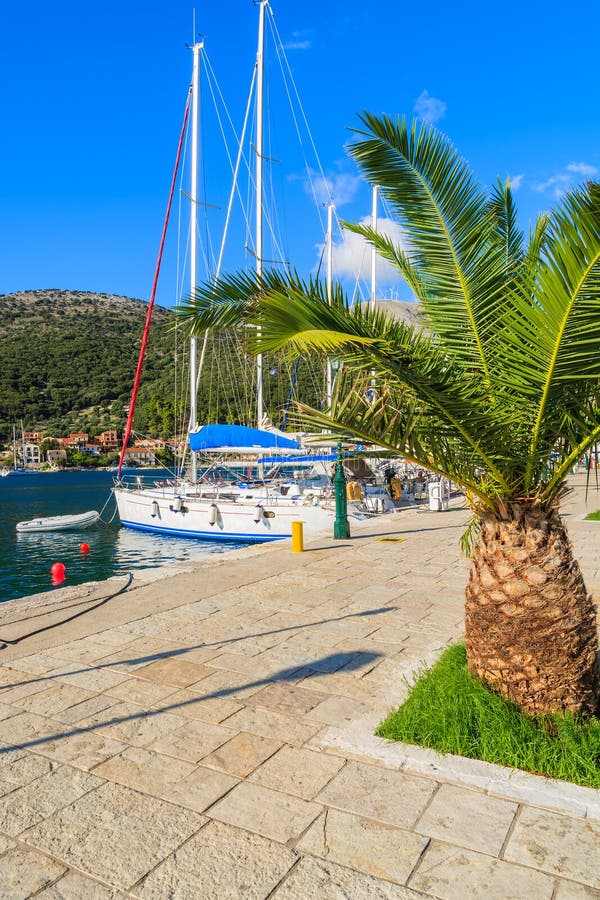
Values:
[(213, 513), (178, 504), (154, 512), (258, 513)]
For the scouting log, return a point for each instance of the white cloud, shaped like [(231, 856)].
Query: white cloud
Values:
[(352, 255), (299, 41), (582, 168), (515, 182), (430, 109), (337, 187), (564, 181)]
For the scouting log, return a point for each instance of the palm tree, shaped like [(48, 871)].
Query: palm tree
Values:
[(498, 391)]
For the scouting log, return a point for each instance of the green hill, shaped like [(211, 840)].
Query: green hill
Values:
[(68, 360)]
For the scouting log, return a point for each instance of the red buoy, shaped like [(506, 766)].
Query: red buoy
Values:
[(57, 570), (85, 548)]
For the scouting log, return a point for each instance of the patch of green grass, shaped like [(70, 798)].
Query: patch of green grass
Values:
[(452, 712), (595, 516)]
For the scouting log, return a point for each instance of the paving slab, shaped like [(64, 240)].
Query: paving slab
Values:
[(557, 844), (5, 843), (316, 878), (381, 794), (144, 693), (468, 819), (242, 754), (569, 890), (191, 705), (80, 711), (89, 678), (201, 788), (27, 805), (133, 724), (263, 811), (24, 687), (145, 771), (270, 724), (336, 710), (297, 771), (23, 872), (177, 672), (285, 698), (22, 769), (6, 711), (114, 834), (220, 861), (81, 749), (192, 740), (53, 700), (370, 847), (73, 886), (452, 873), (38, 663), (229, 685)]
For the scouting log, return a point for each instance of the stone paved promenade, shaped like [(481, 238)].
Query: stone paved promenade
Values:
[(209, 734)]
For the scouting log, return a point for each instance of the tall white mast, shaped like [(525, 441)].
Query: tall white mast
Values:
[(193, 243), (373, 250), (260, 412), (329, 393), (374, 267)]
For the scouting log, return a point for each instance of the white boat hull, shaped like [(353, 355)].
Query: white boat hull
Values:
[(165, 512)]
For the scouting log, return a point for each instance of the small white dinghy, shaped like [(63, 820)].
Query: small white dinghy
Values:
[(60, 523)]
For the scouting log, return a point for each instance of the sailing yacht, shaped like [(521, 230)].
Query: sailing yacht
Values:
[(17, 470), (205, 504)]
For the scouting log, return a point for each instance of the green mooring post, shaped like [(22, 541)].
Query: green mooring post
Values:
[(341, 526)]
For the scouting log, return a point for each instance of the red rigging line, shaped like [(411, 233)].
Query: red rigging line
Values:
[(140, 364)]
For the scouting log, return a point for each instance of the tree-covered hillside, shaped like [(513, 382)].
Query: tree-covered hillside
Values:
[(68, 360)]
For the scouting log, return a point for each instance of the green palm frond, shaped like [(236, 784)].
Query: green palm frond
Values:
[(556, 328), (389, 250), (508, 233), (446, 217)]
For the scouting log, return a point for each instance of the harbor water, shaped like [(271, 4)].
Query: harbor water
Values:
[(26, 559)]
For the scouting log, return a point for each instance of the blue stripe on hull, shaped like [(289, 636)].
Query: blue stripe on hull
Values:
[(207, 535)]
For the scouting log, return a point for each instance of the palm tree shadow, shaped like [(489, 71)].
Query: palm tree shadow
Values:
[(139, 661)]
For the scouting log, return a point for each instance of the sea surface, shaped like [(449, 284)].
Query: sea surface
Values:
[(26, 559)]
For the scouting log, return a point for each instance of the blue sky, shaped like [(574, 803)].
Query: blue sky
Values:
[(92, 98)]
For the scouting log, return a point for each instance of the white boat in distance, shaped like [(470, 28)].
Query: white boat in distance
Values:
[(242, 511), (59, 523)]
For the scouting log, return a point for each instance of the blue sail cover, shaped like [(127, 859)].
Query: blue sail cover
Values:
[(238, 437)]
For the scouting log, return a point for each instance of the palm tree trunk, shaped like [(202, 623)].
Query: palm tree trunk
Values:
[(531, 631)]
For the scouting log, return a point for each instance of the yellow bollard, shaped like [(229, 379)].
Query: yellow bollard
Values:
[(297, 537)]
